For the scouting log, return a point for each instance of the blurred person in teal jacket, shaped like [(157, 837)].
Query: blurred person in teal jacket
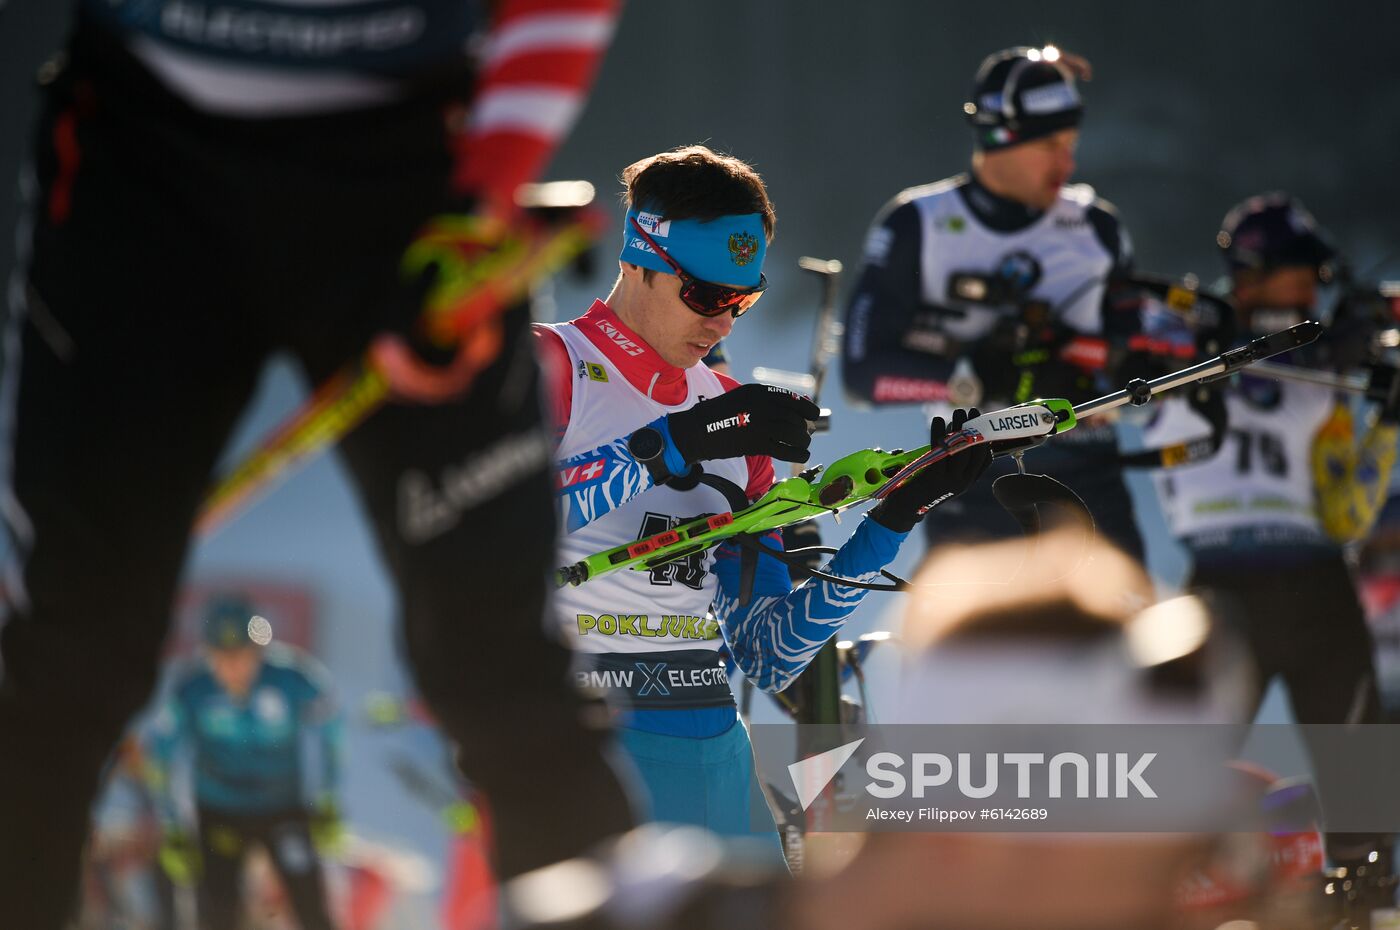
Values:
[(243, 710)]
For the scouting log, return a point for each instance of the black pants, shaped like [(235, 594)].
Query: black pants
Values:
[(173, 253), (226, 839), (1304, 623), (1087, 468)]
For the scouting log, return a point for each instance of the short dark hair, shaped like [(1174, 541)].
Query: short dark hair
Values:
[(694, 182)]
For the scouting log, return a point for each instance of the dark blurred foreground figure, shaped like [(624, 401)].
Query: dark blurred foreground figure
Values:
[(1018, 654), (216, 184)]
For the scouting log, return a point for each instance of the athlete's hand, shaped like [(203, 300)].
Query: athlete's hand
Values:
[(463, 272), (428, 356), (327, 827), (753, 419), (998, 357), (1020, 361), (935, 484), (179, 856), (1052, 377)]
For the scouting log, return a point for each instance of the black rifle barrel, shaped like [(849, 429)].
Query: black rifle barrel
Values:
[(1211, 369)]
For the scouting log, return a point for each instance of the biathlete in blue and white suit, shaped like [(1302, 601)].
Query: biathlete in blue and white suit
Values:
[(638, 412)]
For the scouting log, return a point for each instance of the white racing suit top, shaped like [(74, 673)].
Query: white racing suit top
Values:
[(906, 327), (1260, 490), (631, 623)]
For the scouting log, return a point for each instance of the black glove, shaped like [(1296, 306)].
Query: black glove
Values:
[(991, 357), (1349, 340), (1019, 361), (1048, 376), (935, 484), (754, 419)]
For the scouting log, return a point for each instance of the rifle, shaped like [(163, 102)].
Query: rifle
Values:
[(873, 474)]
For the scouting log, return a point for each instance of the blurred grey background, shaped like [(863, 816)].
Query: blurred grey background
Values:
[(1194, 105)]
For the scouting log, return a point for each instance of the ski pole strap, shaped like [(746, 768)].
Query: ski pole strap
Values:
[(737, 500), (683, 678)]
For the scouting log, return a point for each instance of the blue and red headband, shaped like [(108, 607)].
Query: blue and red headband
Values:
[(728, 250)]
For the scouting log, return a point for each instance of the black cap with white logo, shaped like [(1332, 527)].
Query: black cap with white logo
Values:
[(1021, 94)]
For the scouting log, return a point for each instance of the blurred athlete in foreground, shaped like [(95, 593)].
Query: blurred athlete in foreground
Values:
[(216, 184)]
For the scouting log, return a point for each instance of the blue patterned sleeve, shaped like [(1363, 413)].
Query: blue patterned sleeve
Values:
[(600, 480), (780, 630), (595, 482)]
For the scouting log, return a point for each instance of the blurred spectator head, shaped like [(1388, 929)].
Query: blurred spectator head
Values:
[(233, 638), (1058, 630), (1063, 628)]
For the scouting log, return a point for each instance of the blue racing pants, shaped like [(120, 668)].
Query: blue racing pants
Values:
[(707, 782)]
